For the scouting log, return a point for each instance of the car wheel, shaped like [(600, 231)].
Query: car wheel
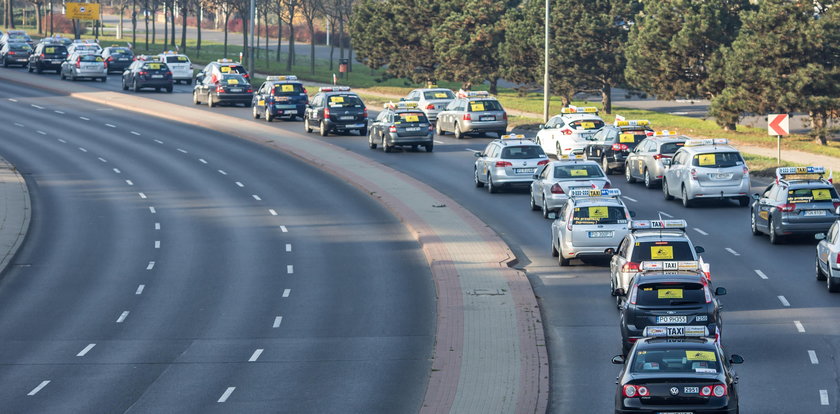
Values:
[(61, 75), (371, 144), (125, 87), (820, 275), (557, 152), (438, 130), (554, 252), (458, 134), (105, 79), (605, 165), (254, 113), (324, 131), (39, 69), (363, 132), (188, 81), (490, 187), (562, 261), (195, 98), (478, 182), (306, 126), (544, 209), (210, 102), (648, 180), (134, 87), (169, 89), (534, 206), (627, 175), (385, 145), (753, 225), (774, 238), (743, 201), (832, 284), (29, 69), (685, 201), (430, 147), (268, 117), (665, 192)]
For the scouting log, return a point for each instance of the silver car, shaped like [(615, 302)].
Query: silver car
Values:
[(589, 224), (707, 168), (553, 182), (569, 132), (430, 100), (828, 257), (508, 161), (83, 65), (85, 46), (645, 162), (476, 112)]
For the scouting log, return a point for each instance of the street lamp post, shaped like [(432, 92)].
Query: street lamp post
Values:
[(545, 78), (251, 28)]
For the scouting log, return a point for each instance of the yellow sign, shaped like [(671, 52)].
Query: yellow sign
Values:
[(49, 50), (579, 173), (662, 252), (587, 125), (440, 95), (763, 214), (669, 293), (706, 159), (821, 194), (598, 212), (82, 11), (627, 138), (153, 66), (477, 107), (182, 58), (225, 69), (99, 59), (261, 102), (700, 355), (233, 81), (412, 118), (337, 99), (287, 88)]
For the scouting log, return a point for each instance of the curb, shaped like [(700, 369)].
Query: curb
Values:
[(15, 212)]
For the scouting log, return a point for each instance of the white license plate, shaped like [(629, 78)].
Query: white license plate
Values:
[(56, 61), (524, 170), (22, 59), (415, 129), (721, 176), (671, 319), (487, 118), (236, 89), (90, 67), (287, 106), (691, 390), (346, 118), (675, 412), (600, 234), (815, 212), (122, 59), (157, 76)]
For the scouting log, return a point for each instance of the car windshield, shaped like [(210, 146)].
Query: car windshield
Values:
[(91, 58), (685, 360), (811, 195), (662, 250), (288, 89), (440, 94), (586, 124), (484, 105), (177, 59), (234, 79), (577, 171), (344, 101), (671, 147), (670, 294), (409, 117), (599, 215), (717, 160), (522, 152)]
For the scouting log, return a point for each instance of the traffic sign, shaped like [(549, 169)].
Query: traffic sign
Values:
[(778, 124), (82, 11)]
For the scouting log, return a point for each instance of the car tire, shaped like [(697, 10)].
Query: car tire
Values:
[(665, 192), (832, 284), (562, 261), (774, 238), (685, 201), (534, 206), (306, 126), (195, 98), (210, 102), (105, 79), (647, 179), (124, 86), (457, 133), (820, 275), (743, 201), (557, 151), (254, 113), (430, 147), (61, 75), (628, 176), (29, 69), (134, 87), (267, 114), (385, 145), (323, 126), (169, 89), (478, 182), (554, 252), (490, 187), (605, 165), (753, 225), (188, 81), (363, 132), (39, 69), (438, 130), (501, 132), (371, 144)]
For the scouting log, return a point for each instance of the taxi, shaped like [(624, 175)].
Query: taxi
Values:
[(336, 109), (215, 70), (552, 182), (707, 168), (84, 65), (673, 295), (612, 144), (828, 257), (84, 46), (591, 222), (645, 162), (280, 96), (472, 112), (677, 371), (800, 201), (508, 161), (180, 66), (570, 131), (648, 240), (400, 125), (229, 88), (147, 73), (430, 100)]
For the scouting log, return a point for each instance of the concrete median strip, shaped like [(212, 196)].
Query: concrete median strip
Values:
[(490, 353), (15, 212)]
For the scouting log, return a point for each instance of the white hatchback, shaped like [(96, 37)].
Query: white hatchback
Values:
[(569, 132), (180, 66)]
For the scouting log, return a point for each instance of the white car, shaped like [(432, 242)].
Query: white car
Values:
[(180, 66), (591, 222), (828, 257), (569, 132)]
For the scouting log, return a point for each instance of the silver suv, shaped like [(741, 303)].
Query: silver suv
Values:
[(707, 168), (475, 112), (430, 100), (592, 222), (508, 161), (552, 183), (84, 65), (646, 161)]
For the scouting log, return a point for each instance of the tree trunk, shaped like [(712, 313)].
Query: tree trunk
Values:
[(257, 36), (341, 39), (606, 97), (198, 29), (494, 86), (819, 121), (279, 34), (172, 25), (38, 26), (267, 28), (245, 55), (165, 26), (133, 23), (11, 24), (227, 19), (121, 26), (154, 25), (311, 24), (183, 28), (290, 58)]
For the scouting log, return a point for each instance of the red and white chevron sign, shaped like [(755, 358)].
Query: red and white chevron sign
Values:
[(778, 124)]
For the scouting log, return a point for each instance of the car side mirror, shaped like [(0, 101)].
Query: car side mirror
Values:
[(619, 292), (756, 196), (837, 211), (542, 126), (632, 213), (478, 155), (720, 291), (819, 236), (699, 249), (736, 359), (402, 99), (609, 252), (619, 359), (666, 162)]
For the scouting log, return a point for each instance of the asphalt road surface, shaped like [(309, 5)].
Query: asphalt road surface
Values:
[(174, 269)]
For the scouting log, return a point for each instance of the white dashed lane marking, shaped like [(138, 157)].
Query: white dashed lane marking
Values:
[(760, 274), (41, 132), (159, 141), (226, 394), (36, 106), (157, 226), (238, 184), (666, 214), (110, 125), (799, 327), (135, 133), (13, 100), (286, 293), (44, 384), (150, 266), (283, 229), (117, 170), (62, 141), (256, 197), (202, 160), (157, 244), (732, 251), (784, 301), (631, 199), (182, 150), (255, 355), (701, 231), (122, 317), (139, 290), (84, 119), (129, 182), (290, 269), (812, 355), (288, 247), (82, 149), (272, 212), (222, 172), (823, 397), (152, 210), (59, 112), (277, 321), (142, 195), (102, 159), (84, 351), (18, 124)]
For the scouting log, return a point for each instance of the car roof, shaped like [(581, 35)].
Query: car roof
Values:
[(580, 116), (799, 184), (682, 276), (710, 148), (524, 142), (670, 343), (575, 162), (669, 234), (668, 138), (596, 201)]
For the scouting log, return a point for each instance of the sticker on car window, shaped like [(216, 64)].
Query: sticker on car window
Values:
[(599, 212), (49, 50), (821, 194), (705, 159), (587, 125), (662, 252), (153, 66), (700, 356), (336, 99), (225, 69), (476, 106), (578, 173), (99, 59), (440, 95), (669, 294), (182, 58), (261, 102), (233, 81), (287, 88), (627, 138), (412, 118)]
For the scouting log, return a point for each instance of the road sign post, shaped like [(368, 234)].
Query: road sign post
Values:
[(778, 125)]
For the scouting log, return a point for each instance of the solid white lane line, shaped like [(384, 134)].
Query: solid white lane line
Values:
[(122, 317), (140, 289), (222, 172), (18, 124), (62, 141), (152, 210), (102, 159), (13, 100), (290, 269), (202, 160), (135, 133), (157, 244), (283, 229), (813, 356), (85, 350), (116, 170), (110, 126), (701, 231), (273, 213), (256, 197), (182, 150), (666, 214), (732, 251), (157, 226), (255, 355), (286, 293), (288, 247), (129, 182), (41, 132), (84, 119), (783, 300), (799, 326), (36, 106), (238, 184), (44, 384), (82, 149), (150, 266), (760, 274), (59, 112), (227, 394), (158, 141), (142, 195), (438, 142), (631, 199), (277, 321), (470, 149), (823, 397)]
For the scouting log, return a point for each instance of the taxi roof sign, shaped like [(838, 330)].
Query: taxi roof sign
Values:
[(799, 173), (701, 142), (281, 78), (579, 110), (692, 265), (513, 136), (677, 224), (400, 105), (571, 157), (334, 89), (584, 192), (632, 122), (664, 133), (675, 331)]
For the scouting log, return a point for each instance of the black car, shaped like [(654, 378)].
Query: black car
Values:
[(672, 299), (667, 374), (229, 89), (147, 74), (280, 96), (611, 145), (47, 56), (16, 36), (214, 71), (401, 125), (15, 54), (117, 58), (336, 109)]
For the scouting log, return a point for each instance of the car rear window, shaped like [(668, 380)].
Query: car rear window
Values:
[(484, 105), (685, 359), (177, 59), (441, 94), (233, 79), (232, 69), (91, 58), (670, 294), (522, 152), (54, 50), (661, 250), (586, 124), (344, 101), (599, 215), (288, 89), (717, 160), (120, 51), (811, 195), (671, 147), (411, 117), (19, 47), (632, 137), (154, 66), (578, 171)]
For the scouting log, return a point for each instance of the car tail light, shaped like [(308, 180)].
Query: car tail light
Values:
[(648, 133), (631, 391), (837, 260), (504, 116), (718, 390), (706, 391), (11, 52), (365, 113), (249, 90), (246, 76), (660, 156), (326, 112), (643, 391), (467, 117), (630, 267), (42, 56), (78, 63), (556, 189), (708, 294), (544, 162), (110, 59), (168, 73), (392, 129), (502, 164), (693, 173), (633, 295), (566, 131), (746, 170), (836, 205), (619, 147), (220, 89), (142, 73), (430, 107), (304, 91), (787, 208)]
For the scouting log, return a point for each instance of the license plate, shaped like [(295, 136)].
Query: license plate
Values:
[(282, 99), (346, 118), (236, 89), (524, 170), (815, 212), (56, 61), (157, 76), (287, 106), (671, 319), (675, 412), (90, 67), (415, 129), (22, 59), (123, 59), (487, 118), (691, 390), (721, 176), (600, 234)]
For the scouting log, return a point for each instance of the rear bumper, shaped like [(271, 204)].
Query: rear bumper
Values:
[(297, 110), (487, 126), (393, 139), (346, 125), (728, 191), (156, 83), (805, 228), (554, 202), (233, 98)]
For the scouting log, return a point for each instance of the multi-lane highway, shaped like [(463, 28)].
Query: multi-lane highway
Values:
[(776, 315), (174, 269)]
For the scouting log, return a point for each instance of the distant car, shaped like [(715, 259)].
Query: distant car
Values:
[(338, 110), (645, 162), (552, 182), (16, 54), (16, 36), (676, 371), (213, 71), (430, 100), (707, 168), (591, 222), (83, 65), (86, 46), (280, 96), (507, 162), (570, 131), (828, 257), (118, 58), (612, 144), (227, 89), (47, 56), (180, 66), (147, 74), (401, 125), (57, 40), (800, 201), (474, 113)]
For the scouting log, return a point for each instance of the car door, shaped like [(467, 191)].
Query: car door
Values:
[(376, 127), (483, 161), (546, 136), (536, 185), (671, 172), (618, 260), (765, 204), (823, 248)]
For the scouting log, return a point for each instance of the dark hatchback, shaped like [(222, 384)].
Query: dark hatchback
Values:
[(147, 74), (117, 58), (611, 145), (47, 56), (15, 54), (280, 98), (336, 109), (229, 89)]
